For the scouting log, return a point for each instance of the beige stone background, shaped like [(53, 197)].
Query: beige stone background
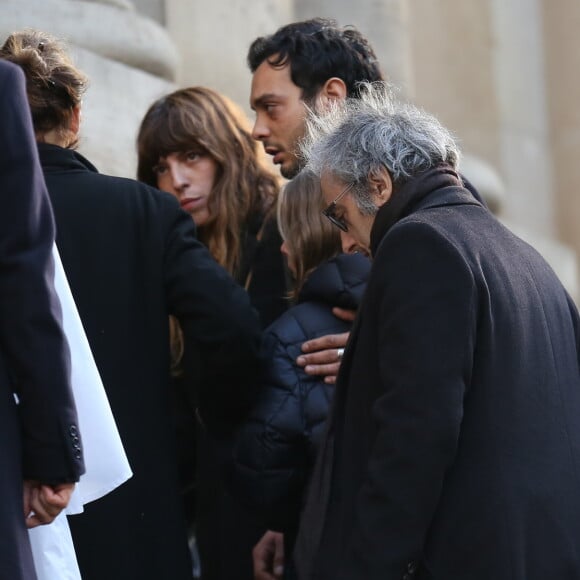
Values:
[(502, 74)]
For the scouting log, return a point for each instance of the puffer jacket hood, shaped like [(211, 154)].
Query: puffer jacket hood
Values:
[(339, 282)]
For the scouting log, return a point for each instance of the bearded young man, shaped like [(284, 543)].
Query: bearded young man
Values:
[(302, 66)]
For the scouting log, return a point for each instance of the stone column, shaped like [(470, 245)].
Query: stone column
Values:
[(213, 38), (520, 81), (562, 62), (385, 23), (130, 60), (451, 46), (154, 9)]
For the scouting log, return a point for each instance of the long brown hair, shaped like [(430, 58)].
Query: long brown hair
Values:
[(310, 237), (200, 119), (53, 84)]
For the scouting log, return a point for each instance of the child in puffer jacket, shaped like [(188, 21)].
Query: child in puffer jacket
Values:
[(276, 447)]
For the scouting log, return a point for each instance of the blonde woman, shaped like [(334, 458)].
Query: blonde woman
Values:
[(276, 447), (196, 144)]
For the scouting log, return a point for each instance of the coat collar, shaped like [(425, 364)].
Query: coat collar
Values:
[(439, 186), (55, 158)]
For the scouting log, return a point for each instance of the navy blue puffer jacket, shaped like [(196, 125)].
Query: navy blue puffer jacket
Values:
[(276, 447)]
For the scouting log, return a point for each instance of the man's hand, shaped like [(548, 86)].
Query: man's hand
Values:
[(42, 503), (325, 354), (268, 555), (344, 314)]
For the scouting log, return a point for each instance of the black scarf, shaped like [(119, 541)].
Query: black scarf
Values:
[(404, 200)]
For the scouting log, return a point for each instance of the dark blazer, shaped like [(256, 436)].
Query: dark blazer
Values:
[(277, 445), (455, 428), (132, 259), (39, 437)]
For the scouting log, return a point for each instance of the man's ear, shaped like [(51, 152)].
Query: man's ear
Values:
[(334, 89), (381, 185)]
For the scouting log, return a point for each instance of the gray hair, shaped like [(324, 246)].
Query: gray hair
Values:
[(356, 139)]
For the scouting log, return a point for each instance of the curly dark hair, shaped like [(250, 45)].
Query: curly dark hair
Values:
[(317, 50)]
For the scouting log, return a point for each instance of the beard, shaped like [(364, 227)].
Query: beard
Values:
[(292, 170)]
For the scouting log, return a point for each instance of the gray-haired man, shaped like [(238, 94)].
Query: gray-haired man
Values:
[(454, 444)]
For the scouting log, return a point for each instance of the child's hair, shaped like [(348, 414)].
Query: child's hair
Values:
[(310, 237)]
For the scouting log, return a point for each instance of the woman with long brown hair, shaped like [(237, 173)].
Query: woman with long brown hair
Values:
[(196, 144)]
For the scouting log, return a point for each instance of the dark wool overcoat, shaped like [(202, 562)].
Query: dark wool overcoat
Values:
[(454, 445), (132, 259), (38, 438)]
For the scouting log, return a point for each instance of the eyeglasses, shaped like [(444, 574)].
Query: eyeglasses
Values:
[(329, 211)]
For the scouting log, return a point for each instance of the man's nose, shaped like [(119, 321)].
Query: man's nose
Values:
[(349, 244), (261, 130)]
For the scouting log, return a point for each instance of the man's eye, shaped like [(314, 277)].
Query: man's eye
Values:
[(159, 169), (270, 107), (192, 155)]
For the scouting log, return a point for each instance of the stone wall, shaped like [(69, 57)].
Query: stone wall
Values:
[(130, 61), (500, 74)]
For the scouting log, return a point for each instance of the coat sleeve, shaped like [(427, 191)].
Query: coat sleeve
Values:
[(31, 337), (576, 324), (271, 450), (426, 317), (220, 328)]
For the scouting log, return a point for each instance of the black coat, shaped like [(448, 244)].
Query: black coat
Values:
[(263, 268), (455, 428), (132, 259), (38, 437), (277, 445), (225, 530)]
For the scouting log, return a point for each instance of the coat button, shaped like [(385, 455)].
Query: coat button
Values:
[(73, 431), (412, 567)]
